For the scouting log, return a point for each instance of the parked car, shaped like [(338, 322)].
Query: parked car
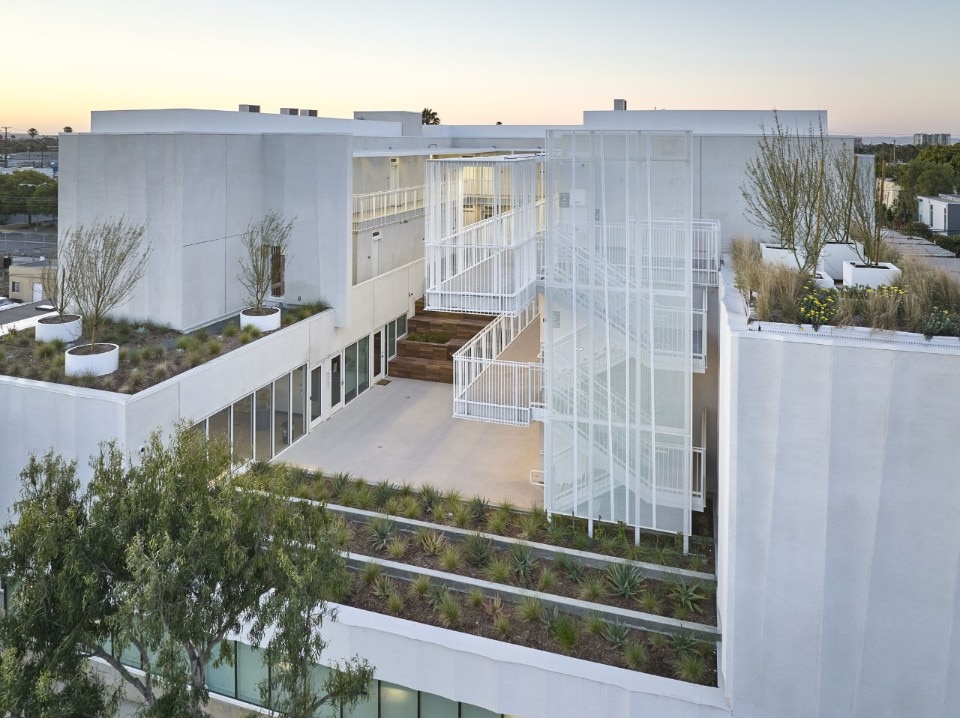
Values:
[(7, 303)]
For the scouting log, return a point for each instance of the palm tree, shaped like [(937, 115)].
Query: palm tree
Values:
[(429, 117), (33, 135), (68, 129)]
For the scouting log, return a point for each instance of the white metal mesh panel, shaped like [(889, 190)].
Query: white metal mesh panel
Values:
[(618, 342), (484, 223)]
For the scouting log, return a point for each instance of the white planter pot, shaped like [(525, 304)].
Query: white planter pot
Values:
[(855, 273), (67, 331), (100, 364), (834, 255), (778, 255), (264, 322), (823, 280)]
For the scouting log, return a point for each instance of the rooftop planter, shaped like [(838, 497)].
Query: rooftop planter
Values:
[(66, 328), (147, 354), (413, 506), (857, 273), (97, 359), (922, 298), (264, 319)]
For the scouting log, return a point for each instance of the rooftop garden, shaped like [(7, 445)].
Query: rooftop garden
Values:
[(149, 353), (923, 298), (511, 575)]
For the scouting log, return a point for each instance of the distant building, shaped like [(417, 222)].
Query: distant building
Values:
[(922, 139), (940, 213)]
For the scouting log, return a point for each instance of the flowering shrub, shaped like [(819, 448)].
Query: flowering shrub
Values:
[(818, 305), (939, 323)]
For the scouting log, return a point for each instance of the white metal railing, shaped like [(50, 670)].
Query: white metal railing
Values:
[(486, 388), (376, 209), (706, 252), (699, 343), (487, 267)]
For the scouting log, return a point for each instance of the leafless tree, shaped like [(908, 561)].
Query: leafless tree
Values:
[(106, 261), (788, 188), (265, 252), (56, 281)]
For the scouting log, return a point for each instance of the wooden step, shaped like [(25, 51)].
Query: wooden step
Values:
[(421, 369), (455, 328), (429, 350)]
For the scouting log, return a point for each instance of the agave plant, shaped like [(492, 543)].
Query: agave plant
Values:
[(431, 499), (380, 531), (524, 560), (686, 597), (478, 550), (616, 634), (478, 509), (625, 580)]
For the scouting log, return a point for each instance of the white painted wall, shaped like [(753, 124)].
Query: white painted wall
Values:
[(197, 193), (705, 122), (839, 559), (228, 121), (505, 678)]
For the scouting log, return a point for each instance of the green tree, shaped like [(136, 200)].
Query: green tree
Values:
[(19, 194), (166, 558), (919, 177), (429, 117), (942, 155)]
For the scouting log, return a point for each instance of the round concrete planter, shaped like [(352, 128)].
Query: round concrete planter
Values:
[(51, 329), (105, 362), (264, 322)]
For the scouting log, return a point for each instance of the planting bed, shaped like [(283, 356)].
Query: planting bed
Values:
[(451, 509)]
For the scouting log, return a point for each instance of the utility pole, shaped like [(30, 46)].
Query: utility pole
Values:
[(5, 128)]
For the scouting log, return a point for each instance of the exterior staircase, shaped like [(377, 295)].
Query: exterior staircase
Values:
[(427, 361)]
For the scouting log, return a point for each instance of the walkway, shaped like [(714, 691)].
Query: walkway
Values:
[(404, 432)]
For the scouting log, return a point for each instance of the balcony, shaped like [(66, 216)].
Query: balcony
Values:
[(377, 209)]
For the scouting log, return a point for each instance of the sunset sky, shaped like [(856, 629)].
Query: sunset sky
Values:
[(878, 67)]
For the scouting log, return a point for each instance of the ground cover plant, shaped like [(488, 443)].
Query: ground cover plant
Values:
[(476, 513), (149, 353), (530, 623)]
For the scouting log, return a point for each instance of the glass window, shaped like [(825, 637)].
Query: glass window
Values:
[(221, 679), (350, 372), (378, 353), (401, 325), (469, 711), (319, 675), (335, 379), (251, 672), (391, 340), (243, 430), (200, 428), (299, 408), (432, 706), (219, 425), (264, 414), (363, 365), (130, 656), (281, 412), (397, 701), (366, 709), (316, 393)]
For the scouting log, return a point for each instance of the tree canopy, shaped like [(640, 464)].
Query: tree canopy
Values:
[(28, 192), (167, 558), (429, 117)]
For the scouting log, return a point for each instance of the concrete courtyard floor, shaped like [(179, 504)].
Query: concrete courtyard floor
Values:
[(403, 432)]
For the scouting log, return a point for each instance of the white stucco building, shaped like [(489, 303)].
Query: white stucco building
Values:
[(829, 457)]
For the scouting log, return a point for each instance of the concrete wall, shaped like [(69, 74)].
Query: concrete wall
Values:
[(197, 193), (839, 558), (706, 122), (228, 121), (396, 245), (510, 679)]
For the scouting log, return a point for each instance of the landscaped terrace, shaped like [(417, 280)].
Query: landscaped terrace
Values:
[(149, 354), (519, 576)]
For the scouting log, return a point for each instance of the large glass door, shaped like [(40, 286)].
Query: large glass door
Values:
[(377, 355), (336, 379)]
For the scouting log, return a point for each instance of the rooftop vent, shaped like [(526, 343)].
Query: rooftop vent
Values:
[(289, 111), (308, 113), (249, 108), (619, 105)]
